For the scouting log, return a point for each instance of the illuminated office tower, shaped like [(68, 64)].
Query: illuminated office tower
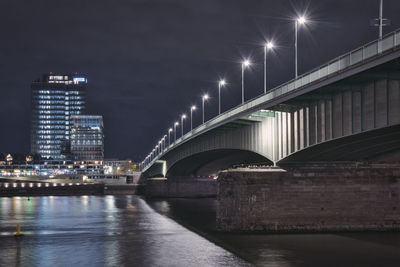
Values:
[(87, 138), (55, 98)]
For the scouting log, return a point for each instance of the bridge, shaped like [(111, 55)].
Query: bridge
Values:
[(345, 110)]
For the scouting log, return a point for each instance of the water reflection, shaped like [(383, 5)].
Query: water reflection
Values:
[(99, 231), (344, 249)]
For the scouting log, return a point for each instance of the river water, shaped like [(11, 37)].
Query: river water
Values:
[(100, 231), (128, 231)]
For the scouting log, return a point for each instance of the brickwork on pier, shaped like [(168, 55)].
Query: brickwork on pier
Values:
[(338, 197)]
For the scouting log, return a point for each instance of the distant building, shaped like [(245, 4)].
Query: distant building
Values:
[(55, 98), (87, 138)]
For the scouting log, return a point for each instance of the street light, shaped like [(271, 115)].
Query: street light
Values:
[(300, 20), (220, 84), (176, 124), (245, 64), (169, 136), (164, 140), (268, 46), (191, 117), (182, 118), (205, 97)]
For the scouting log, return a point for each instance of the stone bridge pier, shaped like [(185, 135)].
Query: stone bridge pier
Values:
[(312, 197)]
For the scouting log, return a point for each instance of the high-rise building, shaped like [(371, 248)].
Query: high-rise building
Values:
[(55, 98), (87, 138)]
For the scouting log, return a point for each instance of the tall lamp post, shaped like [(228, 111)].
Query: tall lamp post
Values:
[(245, 64), (300, 20), (267, 47), (191, 117), (182, 118), (220, 84), (164, 141), (169, 136), (175, 124), (204, 98)]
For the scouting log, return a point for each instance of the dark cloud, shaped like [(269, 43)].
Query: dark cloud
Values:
[(148, 60)]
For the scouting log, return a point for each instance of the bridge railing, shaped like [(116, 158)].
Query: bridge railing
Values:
[(341, 63)]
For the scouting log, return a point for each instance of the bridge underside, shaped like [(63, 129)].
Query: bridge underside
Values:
[(352, 118), (372, 145), (211, 162)]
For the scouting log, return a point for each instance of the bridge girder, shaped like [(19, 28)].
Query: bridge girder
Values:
[(295, 127)]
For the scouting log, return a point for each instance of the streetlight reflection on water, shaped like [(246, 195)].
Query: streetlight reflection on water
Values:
[(100, 231)]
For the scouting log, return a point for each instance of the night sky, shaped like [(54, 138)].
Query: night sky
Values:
[(148, 61)]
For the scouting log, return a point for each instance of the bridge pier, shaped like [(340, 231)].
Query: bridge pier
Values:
[(176, 187), (314, 197)]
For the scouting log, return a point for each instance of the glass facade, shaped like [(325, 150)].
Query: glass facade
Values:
[(55, 98), (87, 138)]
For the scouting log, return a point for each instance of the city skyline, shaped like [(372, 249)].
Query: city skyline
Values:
[(135, 69), (200, 133)]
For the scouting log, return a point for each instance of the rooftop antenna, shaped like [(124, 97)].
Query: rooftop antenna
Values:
[(380, 22)]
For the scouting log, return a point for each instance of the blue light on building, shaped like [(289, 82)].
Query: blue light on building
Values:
[(55, 98)]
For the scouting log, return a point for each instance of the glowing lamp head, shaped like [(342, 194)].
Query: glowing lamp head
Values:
[(246, 63), (269, 45), (183, 116), (222, 82), (176, 123), (205, 97), (193, 108), (302, 20), (170, 130)]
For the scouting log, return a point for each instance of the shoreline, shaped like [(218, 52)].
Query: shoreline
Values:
[(71, 189)]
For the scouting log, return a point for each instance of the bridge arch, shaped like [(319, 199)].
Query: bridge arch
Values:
[(212, 161)]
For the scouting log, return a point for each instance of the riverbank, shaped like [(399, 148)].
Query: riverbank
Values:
[(66, 189), (327, 249)]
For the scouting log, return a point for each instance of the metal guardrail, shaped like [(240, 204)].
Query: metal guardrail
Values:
[(350, 59)]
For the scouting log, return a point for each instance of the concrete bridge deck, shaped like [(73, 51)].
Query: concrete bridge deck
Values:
[(356, 93)]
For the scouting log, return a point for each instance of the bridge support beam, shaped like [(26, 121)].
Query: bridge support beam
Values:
[(328, 197)]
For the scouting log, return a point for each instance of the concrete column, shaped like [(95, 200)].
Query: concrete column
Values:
[(337, 116), (393, 102), (322, 121), (296, 130), (302, 130), (328, 120), (284, 134), (291, 131), (312, 124), (368, 115), (347, 112), (307, 126), (356, 111), (279, 155), (381, 103)]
